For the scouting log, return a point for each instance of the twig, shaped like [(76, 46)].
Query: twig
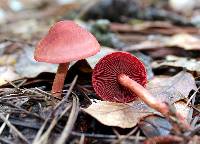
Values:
[(70, 123), (23, 110), (14, 129), (39, 133), (82, 139), (194, 131), (137, 137), (43, 139), (4, 124), (164, 139), (126, 136), (5, 141), (192, 97), (102, 136)]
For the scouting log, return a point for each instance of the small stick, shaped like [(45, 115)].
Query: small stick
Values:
[(70, 123), (21, 136), (164, 139)]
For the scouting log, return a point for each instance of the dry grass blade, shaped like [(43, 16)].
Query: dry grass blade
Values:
[(103, 136), (193, 95), (5, 141), (121, 138), (82, 139), (70, 123), (39, 133), (4, 124), (21, 136), (44, 138)]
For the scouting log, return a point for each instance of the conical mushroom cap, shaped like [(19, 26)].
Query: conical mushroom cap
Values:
[(65, 42)]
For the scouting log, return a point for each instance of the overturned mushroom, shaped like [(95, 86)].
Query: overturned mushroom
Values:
[(109, 69)]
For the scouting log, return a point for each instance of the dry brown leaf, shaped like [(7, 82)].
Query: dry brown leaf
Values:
[(127, 115), (119, 114), (7, 74), (182, 108), (157, 27), (183, 41), (28, 67), (174, 61), (173, 88), (186, 41)]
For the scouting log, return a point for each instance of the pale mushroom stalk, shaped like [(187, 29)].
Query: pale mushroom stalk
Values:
[(148, 99), (143, 94), (59, 79)]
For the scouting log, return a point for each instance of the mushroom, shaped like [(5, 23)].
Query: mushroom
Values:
[(65, 42), (121, 77), (109, 70)]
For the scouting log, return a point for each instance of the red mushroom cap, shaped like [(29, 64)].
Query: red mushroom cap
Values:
[(65, 42), (106, 72)]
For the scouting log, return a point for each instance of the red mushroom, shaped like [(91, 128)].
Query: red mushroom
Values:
[(121, 77), (108, 71), (65, 42)]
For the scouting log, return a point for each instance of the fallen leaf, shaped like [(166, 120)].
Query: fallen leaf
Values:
[(186, 41), (28, 67), (7, 74), (183, 62), (119, 114), (172, 89), (178, 44), (155, 126), (182, 108), (157, 27), (128, 115)]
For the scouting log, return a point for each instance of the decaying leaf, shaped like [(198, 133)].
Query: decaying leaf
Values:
[(119, 114), (152, 27), (183, 41), (183, 62), (154, 125), (7, 74), (186, 41), (182, 108), (28, 67), (174, 88), (128, 115)]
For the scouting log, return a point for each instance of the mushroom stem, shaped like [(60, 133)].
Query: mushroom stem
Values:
[(145, 96), (142, 93), (59, 80)]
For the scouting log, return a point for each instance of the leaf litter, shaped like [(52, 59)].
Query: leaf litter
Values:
[(128, 115), (168, 45)]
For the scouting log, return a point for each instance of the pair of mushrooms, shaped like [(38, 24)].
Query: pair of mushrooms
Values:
[(116, 76)]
